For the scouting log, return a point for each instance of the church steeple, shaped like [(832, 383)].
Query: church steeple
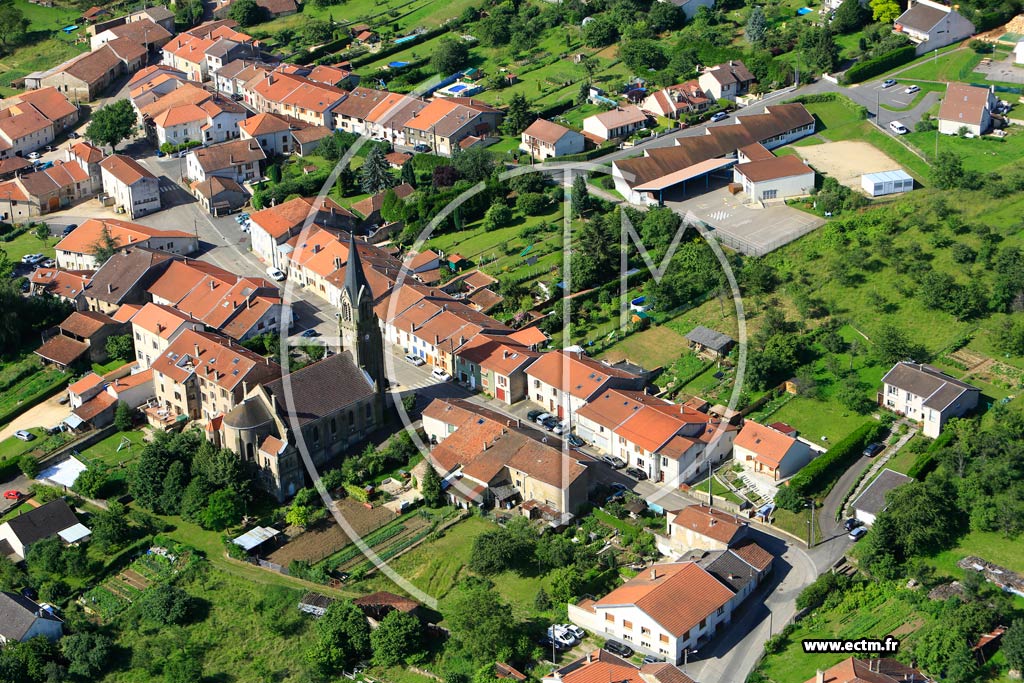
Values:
[(360, 328), (355, 278)]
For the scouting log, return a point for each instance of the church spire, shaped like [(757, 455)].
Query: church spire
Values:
[(355, 278)]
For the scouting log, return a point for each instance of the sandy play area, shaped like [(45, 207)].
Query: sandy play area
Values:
[(847, 161)]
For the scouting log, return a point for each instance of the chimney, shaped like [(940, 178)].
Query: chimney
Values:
[(273, 400), (437, 339), (589, 658), (819, 677), (110, 288), (654, 574), (196, 349), (245, 388), (504, 354), (213, 284)]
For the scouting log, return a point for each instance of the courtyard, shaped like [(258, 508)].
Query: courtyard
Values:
[(753, 229)]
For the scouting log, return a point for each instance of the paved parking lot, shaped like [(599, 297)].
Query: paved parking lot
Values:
[(750, 229)]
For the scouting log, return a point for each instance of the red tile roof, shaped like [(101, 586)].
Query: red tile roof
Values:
[(676, 596), (768, 445), (709, 522)]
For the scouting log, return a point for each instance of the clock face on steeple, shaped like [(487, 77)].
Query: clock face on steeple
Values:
[(366, 337)]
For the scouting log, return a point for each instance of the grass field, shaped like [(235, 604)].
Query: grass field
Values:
[(985, 154), (994, 547), (436, 566), (251, 632), (657, 346)]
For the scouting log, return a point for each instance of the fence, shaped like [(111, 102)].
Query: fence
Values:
[(272, 567), (749, 248)]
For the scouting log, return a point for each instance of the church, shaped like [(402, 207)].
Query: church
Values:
[(322, 410)]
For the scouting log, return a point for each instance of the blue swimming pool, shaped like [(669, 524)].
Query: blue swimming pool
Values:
[(397, 65), (804, 10), (405, 39), (457, 88)]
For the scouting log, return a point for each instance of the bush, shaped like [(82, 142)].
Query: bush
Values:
[(29, 466), (815, 594), (862, 71)]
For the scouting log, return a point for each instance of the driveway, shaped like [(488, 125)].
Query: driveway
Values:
[(46, 414)]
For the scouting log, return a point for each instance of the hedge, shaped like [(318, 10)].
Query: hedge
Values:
[(862, 71), (831, 97), (604, 148), (822, 472)]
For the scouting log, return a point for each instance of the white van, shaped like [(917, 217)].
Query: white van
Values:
[(898, 128)]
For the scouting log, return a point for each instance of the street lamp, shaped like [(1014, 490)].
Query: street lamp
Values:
[(810, 524), (686, 656)]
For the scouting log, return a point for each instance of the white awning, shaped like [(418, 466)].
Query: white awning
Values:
[(73, 421), (75, 533)]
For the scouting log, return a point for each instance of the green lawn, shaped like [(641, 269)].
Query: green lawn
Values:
[(950, 66), (657, 346), (106, 450), (29, 244), (815, 419), (718, 489)]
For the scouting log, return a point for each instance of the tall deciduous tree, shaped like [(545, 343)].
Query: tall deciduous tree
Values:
[(397, 639), (885, 11), (342, 638), (112, 124), (247, 12), (449, 56), (478, 620)]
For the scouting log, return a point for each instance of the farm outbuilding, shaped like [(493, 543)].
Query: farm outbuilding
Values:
[(886, 182)]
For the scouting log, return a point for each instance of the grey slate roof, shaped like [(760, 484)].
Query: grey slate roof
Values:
[(117, 277), (43, 522), (938, 389), (709, 338), (872, 500), (323, 388), (18, 614), (731, 571), (921, 18)]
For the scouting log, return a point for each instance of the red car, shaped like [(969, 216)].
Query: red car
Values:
[(13, 495)]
